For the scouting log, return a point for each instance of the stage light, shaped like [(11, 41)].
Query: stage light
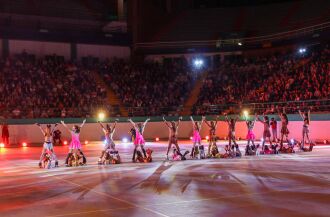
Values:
[(124, 140), (262, 139), (198, 63), (2, 145), (157, 139), (239, 44), (246, 113), (86, 142), (24, 144), (238, 138), (65, 142), (191, 138), (325, 141), (302, 50), (207, 137), (101, 116)]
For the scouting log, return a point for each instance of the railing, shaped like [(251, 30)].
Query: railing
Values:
[(319, 106), (291, 107), (233, 41), (70, 112), (322, 105)]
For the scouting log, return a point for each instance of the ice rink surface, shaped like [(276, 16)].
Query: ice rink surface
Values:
[(273, 185)]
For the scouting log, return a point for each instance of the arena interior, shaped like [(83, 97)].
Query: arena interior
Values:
[(164, 108)]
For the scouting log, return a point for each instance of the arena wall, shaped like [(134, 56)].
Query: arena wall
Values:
[(40, 48), (19, 132), (102, 51)]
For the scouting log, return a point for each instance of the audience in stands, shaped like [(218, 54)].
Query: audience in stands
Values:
[(279, 78), (47, 87), (52, 87), (149, 88)]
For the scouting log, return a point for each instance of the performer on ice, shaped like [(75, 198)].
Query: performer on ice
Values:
[(139, 140), (173, 128), (75, 145), (48, 143)]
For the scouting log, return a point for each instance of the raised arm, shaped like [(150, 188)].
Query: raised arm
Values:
[(179, 121), (130, 120), (246, 120), (101, 124), (54, 128), (236, 119), (226, 118), (83, 123), (255, 119), (192, 120), (62, 122), (115, 124), (201, 122), (301, 115), (258, 118), (166, 122), (309, 116), (216, 121), (42, 130), (208, 124), (145, 123)]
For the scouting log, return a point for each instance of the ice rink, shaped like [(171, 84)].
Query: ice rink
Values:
[(273, 185)]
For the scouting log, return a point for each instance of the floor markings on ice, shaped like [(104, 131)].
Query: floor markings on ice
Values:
[(93, 211), (112, 197), (230, 196)]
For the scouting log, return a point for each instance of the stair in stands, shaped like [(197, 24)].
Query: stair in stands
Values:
[(194, 94), (112, 98)]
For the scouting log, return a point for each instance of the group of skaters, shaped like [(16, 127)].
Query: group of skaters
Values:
[(109, 153)]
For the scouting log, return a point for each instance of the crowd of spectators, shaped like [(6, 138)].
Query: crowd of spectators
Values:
[(52, 87), (277, 81), (149, 88), (47, 87)]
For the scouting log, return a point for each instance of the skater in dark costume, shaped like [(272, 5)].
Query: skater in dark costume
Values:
[(173, 128)]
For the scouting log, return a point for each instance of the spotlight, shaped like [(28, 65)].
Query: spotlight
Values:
[(191, 138), (24, 144), (198, 63), (157, 139), (246, 113), (65, 142), (292, 141), (86, 142), (302, 50), (2, 145), (239, 44), (101, 116), (238, 138), (207, 137), (262, 139), (124, 140)]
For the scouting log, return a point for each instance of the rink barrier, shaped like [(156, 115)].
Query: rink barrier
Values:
[(291, 117), (26, 130)]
